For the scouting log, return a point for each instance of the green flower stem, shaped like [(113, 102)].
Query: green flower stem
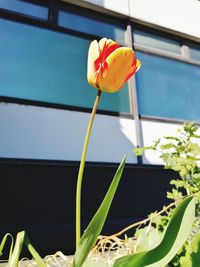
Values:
[(81, 170)]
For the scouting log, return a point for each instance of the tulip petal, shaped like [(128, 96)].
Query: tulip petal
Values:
[(120, 64), (136, 66), (107, 47), (93, 55), (102, 44)]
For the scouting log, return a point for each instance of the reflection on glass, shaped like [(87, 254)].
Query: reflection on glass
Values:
[(44, 65), (24, 7), (195, 53), (168, 88), (158, 42), (91, 26)]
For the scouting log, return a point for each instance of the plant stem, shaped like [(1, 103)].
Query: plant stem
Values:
[(81, 170)]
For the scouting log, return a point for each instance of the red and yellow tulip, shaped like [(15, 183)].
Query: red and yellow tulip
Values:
[(109, 65)]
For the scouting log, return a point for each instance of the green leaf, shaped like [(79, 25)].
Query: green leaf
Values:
[(140, 150), (172, 138), (22, 239), (34, 253), (175, 236), (167, 146), (190, 127), (192, 257), (149, 237), (94, 228), (14, 259), (5, 238)]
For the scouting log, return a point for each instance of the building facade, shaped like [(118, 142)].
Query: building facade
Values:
[(46, 102)]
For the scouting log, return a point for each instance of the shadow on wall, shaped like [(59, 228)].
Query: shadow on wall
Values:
[(40, 198)]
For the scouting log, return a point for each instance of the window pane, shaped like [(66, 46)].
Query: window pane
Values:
[(24, 7), (195, 53), (154, 41), (168, 88), (44, 65), (91, 26)]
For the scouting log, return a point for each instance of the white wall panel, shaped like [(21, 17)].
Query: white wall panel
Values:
[(151, 132), (114, 5), (179, 15), (46, 133)]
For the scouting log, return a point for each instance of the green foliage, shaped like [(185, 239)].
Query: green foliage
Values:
[(33, 252), (181, 153), (176, 234), (21, 240), (14, 259), (5, 238), (94, 228), (192, 255), (147, 238)]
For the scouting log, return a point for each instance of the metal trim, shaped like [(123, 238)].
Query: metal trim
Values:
[(185, 52), (7, 15), (163, 30), (163, 119), (53, 12), (43, 162), (134, 99), (153, 51)]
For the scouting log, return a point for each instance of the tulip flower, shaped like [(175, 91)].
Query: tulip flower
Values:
[(109, 65)]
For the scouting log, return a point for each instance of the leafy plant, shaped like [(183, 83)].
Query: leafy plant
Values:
[(181, 153), (174, 237), (192, 258), (93, 230), (15, 249)]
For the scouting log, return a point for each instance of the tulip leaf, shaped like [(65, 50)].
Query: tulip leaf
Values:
[(34, 253), (5, 238), (95, 226), (177, 232), (14, 259), (22, 239)]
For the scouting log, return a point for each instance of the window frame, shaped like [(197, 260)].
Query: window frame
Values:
[(44, 3), (184, 57), (52, 24), (184, 45), (108, 16)]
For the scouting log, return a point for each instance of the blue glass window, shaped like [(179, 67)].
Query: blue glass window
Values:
[(168, 88), (155, 41), (44, 65), (91, 26), (195, 53), (26, 8)]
